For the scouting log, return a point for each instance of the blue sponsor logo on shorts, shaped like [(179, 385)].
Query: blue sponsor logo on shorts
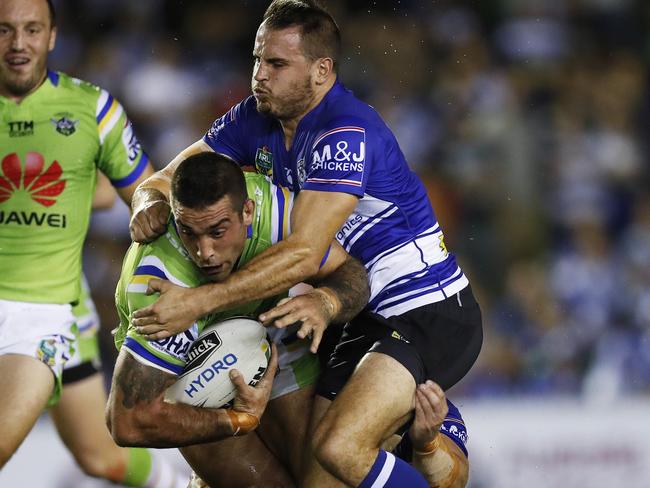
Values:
[(209, 373)]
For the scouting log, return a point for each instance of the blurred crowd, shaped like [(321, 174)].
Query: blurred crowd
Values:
[(526, 120)]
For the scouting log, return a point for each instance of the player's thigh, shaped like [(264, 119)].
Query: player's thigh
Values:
[(26, 385), (284, 427), (35, 341), (375, 402), (237, 462), (80, 421), (317, 413), (314, 474)]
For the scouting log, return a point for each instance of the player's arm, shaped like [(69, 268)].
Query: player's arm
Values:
[(121, 156), (341, 292), (138, 415), (436, 455), (150, 203), (104, 196), (315, 218)]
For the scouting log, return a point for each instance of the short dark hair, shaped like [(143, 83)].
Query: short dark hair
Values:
[(50, 5), (321, 37), (205, 178)]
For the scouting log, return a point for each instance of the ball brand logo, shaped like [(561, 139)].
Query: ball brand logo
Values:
[(43, 186)]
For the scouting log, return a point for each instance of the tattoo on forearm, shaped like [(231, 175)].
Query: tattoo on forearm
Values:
[(141, 384), (350, 283)]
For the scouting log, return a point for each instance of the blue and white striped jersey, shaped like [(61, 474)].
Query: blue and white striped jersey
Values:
[(343, 145)]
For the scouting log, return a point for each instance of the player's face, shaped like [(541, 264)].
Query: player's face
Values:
[(282, 75), (214, 236), (26, 37)]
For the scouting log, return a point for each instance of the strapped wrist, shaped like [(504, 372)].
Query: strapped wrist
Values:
[(430, 447), (242, 422), (330, 300)]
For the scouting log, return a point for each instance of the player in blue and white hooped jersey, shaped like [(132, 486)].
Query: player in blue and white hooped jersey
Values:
[(303, 128)]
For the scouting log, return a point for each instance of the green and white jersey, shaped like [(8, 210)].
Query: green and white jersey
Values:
[(167, 259), (51, 145)]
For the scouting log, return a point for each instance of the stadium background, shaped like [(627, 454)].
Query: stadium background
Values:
[(527, 121)]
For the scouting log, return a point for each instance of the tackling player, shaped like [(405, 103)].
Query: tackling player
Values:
[(222, 220), (56, 133), (308, 132)]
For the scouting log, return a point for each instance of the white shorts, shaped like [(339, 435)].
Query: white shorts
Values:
[(297, 366), (43, 331), (86, 349)]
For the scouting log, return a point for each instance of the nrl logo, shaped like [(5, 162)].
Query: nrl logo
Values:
[(64, 124), (264, 161)]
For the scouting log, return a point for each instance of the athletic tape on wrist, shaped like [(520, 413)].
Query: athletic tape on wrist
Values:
[(430, 447), (242, 422)]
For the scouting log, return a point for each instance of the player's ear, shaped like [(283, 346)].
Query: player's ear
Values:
[(324, 68), (249, 211), (52, 41)]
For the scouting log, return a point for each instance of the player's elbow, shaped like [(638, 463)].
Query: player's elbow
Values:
[(135, 427)]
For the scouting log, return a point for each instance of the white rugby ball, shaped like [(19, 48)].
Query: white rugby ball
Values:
[(236, 343)]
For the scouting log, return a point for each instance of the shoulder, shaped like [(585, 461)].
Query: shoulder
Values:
[(78, 86), (343, 108), (243, 112)]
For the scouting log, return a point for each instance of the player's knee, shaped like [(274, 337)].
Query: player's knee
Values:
[(5, 453), (98, 465), (332, 447)]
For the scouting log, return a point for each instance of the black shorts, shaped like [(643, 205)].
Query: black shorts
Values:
[(439, 341), (80, 372)]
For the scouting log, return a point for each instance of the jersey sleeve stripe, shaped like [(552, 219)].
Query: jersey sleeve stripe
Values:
[(150, 270), (103, 104), (139, 352), (324, 260), (110, 120), (141, 279), (156, 263), (338, 129), (278, 203), (324, 181), (135, 174), (286, 213)]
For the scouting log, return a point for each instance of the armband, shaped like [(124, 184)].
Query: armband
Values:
[(242, 422)]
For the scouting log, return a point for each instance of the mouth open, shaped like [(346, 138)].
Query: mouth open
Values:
[(17, 61), (212, 270)]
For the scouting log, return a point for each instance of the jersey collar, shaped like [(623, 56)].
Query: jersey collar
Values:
[(50, 83), (336, 90)]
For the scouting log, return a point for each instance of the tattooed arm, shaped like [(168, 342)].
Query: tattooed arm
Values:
[(139, 416)]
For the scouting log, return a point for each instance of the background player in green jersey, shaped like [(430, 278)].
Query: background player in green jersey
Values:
[(223, 220), (55, 133)]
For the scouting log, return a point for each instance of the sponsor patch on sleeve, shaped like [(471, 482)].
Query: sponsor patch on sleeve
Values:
[(337, 161)]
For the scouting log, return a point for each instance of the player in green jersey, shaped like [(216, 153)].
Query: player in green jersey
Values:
[(55, 133), (222, 221)]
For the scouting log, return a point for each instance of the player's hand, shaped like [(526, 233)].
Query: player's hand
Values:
[(170, 314), (196, 482), (430, 412), (313, 310), (149, 221), (250, 402)]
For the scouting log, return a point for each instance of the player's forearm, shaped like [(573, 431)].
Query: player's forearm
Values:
[(348, 289), (163, 425), (442, 468), (139, 416), (153, 189), (271, 272)]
